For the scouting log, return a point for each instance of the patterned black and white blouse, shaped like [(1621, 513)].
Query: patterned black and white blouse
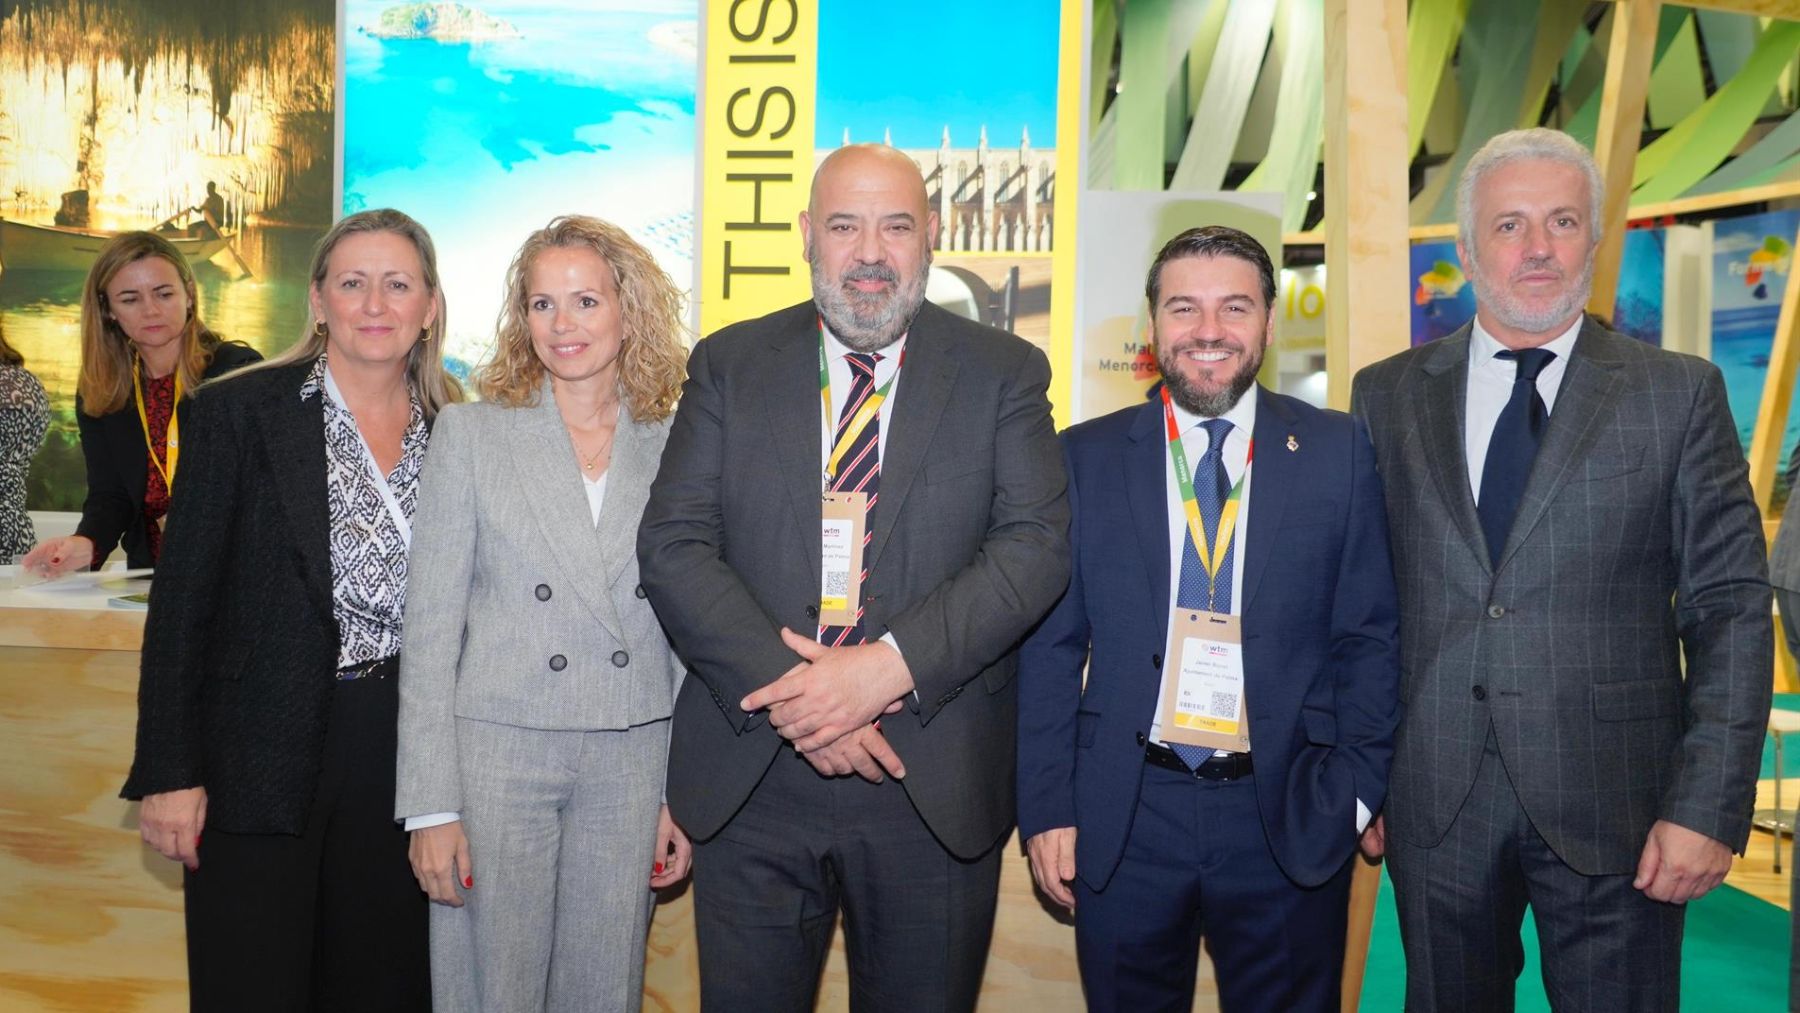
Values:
[(24, 417), (368, 545)]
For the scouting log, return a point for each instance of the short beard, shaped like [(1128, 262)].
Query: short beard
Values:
[(1510, 313), (1208, 404), (863, 323)]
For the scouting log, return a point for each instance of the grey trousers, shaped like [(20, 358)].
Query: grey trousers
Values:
[(561, 828), (1605, 947), (1790, 626)]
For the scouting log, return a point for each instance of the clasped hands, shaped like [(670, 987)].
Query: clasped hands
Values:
[(827, 705)]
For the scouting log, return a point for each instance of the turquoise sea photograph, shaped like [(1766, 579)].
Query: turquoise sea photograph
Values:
[(484, 121)]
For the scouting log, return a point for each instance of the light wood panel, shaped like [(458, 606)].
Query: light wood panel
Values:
[(1628, 59)]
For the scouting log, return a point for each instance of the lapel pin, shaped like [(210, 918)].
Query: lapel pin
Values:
[(1293, 444)]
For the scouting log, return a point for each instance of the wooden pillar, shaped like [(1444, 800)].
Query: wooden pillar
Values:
[(1777, 396), (1366, 251), (1366, 259), (1616, 141)]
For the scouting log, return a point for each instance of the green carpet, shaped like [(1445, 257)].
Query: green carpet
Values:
[(1734, 960)]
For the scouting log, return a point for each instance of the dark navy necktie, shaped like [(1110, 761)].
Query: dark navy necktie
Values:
[(1212, 487), (1512, 448)]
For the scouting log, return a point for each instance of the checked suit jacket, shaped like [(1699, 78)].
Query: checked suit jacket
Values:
[(970, 549), (1637, 552)]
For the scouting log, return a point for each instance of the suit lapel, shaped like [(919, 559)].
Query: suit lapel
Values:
[(634, 463), (920, 396), (545, 464), (1148, 497), (790, 392), (1275, 471), (1440, 405), (293, 438), (1589, 388)]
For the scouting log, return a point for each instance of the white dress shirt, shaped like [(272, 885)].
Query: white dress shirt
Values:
[(838, 366), (1490, 387), (1238, 466)]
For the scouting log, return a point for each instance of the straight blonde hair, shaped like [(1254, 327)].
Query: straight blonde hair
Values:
[(108, 358), (426, 376), (653, 359)]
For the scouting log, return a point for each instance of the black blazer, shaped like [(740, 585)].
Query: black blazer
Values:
[(240, 644), (118, 465)]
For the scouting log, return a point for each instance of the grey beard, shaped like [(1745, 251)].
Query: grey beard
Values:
[(861, 330), (1513, 315)]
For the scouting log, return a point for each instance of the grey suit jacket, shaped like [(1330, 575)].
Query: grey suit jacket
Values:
[(1784, 555), (519, 609), (970, 549), (1637, 544)]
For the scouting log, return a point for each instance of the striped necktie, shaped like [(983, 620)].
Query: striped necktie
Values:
[(860, 471)]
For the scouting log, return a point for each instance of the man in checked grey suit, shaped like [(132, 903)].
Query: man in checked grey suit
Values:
[(966, 549), (1567, 529), (1784, 574)]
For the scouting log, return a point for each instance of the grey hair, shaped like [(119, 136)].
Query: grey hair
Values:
[(1534, 143)]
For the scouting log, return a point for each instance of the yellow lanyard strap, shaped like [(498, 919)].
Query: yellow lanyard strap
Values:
[(164, 465), (1212, 555)]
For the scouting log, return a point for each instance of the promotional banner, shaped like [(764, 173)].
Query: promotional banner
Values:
[(1753, 261), (485, 123)]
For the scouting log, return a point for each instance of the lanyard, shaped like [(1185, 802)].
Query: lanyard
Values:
[(1212, 556), (164, 465), (870, 406)]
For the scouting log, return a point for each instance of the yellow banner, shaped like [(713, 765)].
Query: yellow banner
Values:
[(757, 143)]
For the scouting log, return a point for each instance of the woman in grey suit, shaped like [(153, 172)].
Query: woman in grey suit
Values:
[(536, 683)]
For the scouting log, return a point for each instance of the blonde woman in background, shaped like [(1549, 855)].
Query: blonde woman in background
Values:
[(537, 685), (144, 350), (267, 702)]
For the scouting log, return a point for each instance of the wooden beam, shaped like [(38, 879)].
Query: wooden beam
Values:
[(1366, 255), (1679, 206), (1788, 10), (1366, 249), (1627, 82), (1778, 392)]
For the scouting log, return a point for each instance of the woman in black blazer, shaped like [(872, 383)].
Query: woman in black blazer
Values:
[(143, 352), (267, 704)]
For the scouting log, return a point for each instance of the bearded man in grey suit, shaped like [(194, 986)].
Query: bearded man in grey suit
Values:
[(1571, 518), (860, 513)]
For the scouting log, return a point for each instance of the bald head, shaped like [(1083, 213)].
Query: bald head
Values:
[(868, 238)]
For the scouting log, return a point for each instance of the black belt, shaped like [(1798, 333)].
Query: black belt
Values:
[(380, 668), (1228, 767)]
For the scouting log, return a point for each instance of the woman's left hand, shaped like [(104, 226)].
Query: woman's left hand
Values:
[(674, 855)]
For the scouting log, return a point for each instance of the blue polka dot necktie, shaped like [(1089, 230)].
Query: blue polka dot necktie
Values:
[(1212, 487)]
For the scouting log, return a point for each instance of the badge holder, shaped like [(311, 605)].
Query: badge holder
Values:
[(1203, 704)]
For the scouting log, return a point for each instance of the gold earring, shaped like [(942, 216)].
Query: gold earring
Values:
[(320, 331), (424, 335)]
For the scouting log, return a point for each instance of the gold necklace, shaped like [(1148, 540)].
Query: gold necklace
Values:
[(588, 462)]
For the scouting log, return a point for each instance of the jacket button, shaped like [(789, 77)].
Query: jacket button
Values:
[(621, 659), (640, 592), (1480, 692), (1496, 611), (543, 592), (1141, 738), (558, 663), (812, 611), (1156, 661)]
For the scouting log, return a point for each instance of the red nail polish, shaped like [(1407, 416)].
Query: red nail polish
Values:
[(468, 882), (196, 840), (657, 868)]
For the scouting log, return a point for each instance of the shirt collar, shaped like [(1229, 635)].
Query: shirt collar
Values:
[(315, 379), (1242, 415), (1484, 346), (836, 349)]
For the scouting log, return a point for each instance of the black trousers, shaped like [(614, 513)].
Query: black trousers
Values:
[(768, 887), (329, 921)]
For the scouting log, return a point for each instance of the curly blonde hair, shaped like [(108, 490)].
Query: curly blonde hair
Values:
[(653, 359)]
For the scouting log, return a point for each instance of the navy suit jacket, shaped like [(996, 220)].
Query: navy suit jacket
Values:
[(1321, 648)]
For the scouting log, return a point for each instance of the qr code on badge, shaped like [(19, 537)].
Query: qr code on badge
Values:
[(837, 585), (1224, 705)]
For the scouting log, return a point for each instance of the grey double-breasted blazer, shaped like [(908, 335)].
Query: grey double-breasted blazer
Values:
[(1637, 547), (521, 610)]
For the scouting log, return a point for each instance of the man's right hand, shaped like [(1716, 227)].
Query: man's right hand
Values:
[(1374, 839), (864, 752), (440, 857), (171, 822), (1052, 855)]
